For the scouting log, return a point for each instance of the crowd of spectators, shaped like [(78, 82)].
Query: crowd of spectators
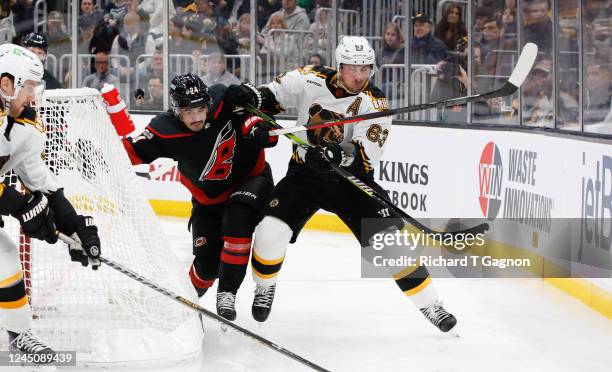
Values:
[(121, 41)]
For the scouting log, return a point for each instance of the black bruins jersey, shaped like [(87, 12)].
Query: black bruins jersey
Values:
[(211, 162)]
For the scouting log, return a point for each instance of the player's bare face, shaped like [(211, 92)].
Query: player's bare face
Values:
[(354, 77), (194, 117), (25, 97)]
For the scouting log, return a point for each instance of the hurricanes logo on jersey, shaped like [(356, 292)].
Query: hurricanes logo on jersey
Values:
[(219, 165), (322, 136)]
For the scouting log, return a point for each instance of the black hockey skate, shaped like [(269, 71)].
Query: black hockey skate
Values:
[(439, 317), (225, 305), (262, 303), (26, 343)]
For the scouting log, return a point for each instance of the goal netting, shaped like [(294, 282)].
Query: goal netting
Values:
[(105, 316)]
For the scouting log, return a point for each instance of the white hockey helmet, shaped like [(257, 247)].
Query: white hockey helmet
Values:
[(355, 50), (22, 65)]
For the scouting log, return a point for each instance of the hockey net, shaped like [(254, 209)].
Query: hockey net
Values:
[(108, 318)]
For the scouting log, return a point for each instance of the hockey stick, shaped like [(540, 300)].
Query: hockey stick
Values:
[(193, 306), (478, 229), (521, 70)]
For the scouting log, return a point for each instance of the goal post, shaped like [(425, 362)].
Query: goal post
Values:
[(106, 317)]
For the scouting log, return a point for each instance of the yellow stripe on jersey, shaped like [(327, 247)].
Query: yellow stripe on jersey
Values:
[(267, 262), (418, 288), (23, 301), (11, 280)]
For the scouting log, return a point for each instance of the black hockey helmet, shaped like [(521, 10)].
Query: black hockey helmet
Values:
[(188, 90), (36, 40)]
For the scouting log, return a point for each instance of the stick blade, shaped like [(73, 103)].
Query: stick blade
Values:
[(524, 64)]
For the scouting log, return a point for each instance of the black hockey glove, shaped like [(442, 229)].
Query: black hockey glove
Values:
[(318, 158), (87, 250), (257, 131), (239, 96), (37, 219)]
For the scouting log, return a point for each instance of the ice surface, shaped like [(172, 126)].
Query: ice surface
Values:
[(325, 312)]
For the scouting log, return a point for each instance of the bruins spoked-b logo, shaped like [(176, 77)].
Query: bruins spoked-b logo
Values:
[(490, 172), (322, 136)]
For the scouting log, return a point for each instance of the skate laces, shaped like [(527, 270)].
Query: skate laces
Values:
[(225, 300), (435, 312), (28, 343), (264, 296)]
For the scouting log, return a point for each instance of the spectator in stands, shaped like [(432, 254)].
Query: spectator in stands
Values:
[(538, 25), (598, 92), (451, 29), (318, 4), (242, 34), (217, 74), (59, 40), (477, 59), (115, 10), (153, 69), (265, 9), (176, 40), (480, 15), (154, 98), (155, 11), (452, 82), (320, 31), (192, 30), (495, 6), (295, 17), (222, 36), (86, 34), (596, 9), (102, 75), (425, 48), (131, 42), (508, 26), (104, 35), (494, 61), (537, 98), (392, 51), (89, 13), (316, 60), (279, 45), (599, 39), (23, 18), (37, 43)]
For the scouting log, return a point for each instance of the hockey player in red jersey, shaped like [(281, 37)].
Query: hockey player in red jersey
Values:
[(221, 161), (323, 93)]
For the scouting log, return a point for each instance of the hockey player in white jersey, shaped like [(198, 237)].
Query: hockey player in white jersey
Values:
[(323, 93), (44, 210)]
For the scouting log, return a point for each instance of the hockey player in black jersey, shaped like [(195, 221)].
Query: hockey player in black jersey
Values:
[(221, 161), (323, 93)]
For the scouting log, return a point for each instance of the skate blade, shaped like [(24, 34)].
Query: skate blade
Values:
[(453, 333)]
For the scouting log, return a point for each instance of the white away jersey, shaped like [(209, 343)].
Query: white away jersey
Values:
[(22, 142), (315, 92)]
